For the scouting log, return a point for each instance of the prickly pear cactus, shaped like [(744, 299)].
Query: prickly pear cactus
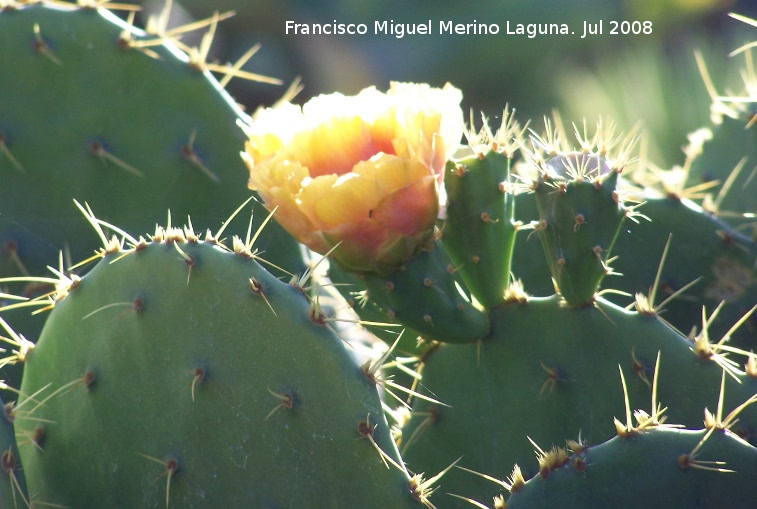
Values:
[(479, 226), (723, 156), (178, 372), (579, 219), (535, 375), (95, 110)]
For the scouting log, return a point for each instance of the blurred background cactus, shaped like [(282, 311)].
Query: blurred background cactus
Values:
[(630, 79), (583, 263)]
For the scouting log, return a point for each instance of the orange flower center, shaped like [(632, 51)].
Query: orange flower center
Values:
[(336, 146)]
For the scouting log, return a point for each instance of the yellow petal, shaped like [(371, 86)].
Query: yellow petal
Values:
[(390, 173), (359, 170)]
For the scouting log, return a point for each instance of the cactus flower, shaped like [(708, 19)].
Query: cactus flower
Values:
[(360, 172)]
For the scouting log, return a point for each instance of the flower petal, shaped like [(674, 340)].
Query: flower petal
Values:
[(410, 210), (362, 171)]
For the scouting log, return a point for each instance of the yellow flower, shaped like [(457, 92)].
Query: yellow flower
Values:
[(362, 171)]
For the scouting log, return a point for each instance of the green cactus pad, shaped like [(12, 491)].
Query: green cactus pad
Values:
[(654, 468), (426, 296), (381, 326), (701, 246), (479, 233), (177, 373), (133, 133), (549, 371), (729, 156), (580, 216)]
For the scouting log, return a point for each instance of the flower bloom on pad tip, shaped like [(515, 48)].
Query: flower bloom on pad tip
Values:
[(361, 171)]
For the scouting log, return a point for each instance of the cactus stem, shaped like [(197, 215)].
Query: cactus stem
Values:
[(286, 401), (170, 466)]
